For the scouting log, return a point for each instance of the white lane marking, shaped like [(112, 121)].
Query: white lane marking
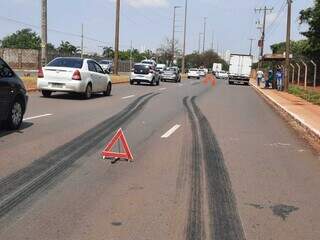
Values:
[(180, 84), (171, 131), (40, 116), (161, 89), (131, 96)]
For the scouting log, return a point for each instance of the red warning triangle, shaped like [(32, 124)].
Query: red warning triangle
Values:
[(107, 152)]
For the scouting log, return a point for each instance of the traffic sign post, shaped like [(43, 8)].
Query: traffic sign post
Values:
[(107, 153)]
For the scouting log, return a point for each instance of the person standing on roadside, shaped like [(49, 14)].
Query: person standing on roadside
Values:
[(269, 79), (260, 76), (279, 78)]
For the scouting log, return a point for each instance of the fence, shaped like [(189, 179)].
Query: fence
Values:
[(21, 58), (30, 59), (305, 72)]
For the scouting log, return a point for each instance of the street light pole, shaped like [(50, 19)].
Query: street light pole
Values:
[(44, 31), (173, 32), (204, 34), (82, 41), (117, 33), (184, 38)]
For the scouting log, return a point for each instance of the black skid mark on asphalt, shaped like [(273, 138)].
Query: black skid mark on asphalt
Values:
[(117, 224), (257, 206), (283, 211), (20, 185), (225, 223), (195, 226)]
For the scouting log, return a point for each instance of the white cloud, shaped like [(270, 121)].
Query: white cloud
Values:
[(147, 3)]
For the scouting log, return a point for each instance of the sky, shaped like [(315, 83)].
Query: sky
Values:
[(147, 23)]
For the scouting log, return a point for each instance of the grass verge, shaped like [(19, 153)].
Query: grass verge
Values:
[(310, 96)]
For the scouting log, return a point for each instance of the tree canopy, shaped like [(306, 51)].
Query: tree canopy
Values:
[(23, 39)]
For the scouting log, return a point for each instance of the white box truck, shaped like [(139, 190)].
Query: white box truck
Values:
[(240, 68)]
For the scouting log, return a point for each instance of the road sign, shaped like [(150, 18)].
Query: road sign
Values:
[(109, 154)]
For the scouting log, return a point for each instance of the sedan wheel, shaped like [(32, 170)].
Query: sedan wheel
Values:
[(88, 93), (108, 90), (15, 116)]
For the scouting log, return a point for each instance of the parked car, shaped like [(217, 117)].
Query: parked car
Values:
[(193, 73), (171, 74), (77, 75), (202, 72), (106, 65), (160, 68), (222, 74), (144, 73), (13, 97)]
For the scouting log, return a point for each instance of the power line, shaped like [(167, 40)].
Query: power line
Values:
[(54, 30)]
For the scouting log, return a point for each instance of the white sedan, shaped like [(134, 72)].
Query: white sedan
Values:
[(222, 75), (194, 73), (77, 75)]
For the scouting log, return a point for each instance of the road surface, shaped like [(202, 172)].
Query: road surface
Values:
[(210, 162)]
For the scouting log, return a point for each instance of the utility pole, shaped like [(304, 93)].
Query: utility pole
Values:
[(184, 38), (44, 32), (199, 43), (130, 55), (116, 42), (173, 33), (251, 42), (286, 80), (262, 41), (82, 40), (212, 42), (204, 34)]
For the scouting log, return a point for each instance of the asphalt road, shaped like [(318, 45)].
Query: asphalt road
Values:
[(210, 162)]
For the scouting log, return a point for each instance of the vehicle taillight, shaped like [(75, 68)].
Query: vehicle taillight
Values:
[(40, 73), (76, 75)]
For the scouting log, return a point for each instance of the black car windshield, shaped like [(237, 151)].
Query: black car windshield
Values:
[(66, 62)]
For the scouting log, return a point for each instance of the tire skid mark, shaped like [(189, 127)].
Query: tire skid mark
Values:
[(195, 226), (225, 223), (18, 186)]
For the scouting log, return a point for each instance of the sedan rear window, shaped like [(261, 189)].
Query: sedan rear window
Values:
[(66, 62)]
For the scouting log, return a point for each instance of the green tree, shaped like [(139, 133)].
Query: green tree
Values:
[(298, 48), (311, 17), (23, 39), (108, 52), (205, 59), (67, 48)]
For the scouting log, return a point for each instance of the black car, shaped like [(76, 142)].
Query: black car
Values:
[(13, 97), (171, 74)]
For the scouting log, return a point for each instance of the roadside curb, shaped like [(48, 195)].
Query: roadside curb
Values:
[(312, 131), (36, 89)]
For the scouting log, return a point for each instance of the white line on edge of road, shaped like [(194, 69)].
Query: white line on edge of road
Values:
[(171, 131), (161, 89), (131, 96), (35, 117)]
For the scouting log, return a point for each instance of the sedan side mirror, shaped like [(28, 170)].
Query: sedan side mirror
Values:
[(106, 71)]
